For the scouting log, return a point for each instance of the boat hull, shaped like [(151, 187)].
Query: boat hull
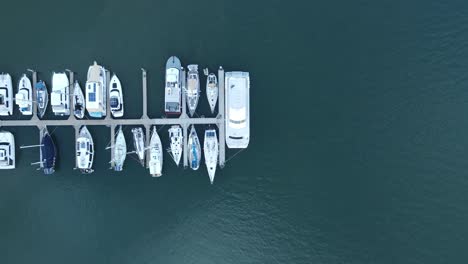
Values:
[(79, 103), (173, 87), (194, 149), (211, 151), (116, 97), (24, 96), (6, 95), (42, 97), (155, 162), (7, 151), (120, 151), (212, 91)]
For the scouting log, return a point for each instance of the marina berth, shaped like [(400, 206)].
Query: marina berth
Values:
[(60, 95), (23, 97), (96, 91), (6, 95), (7, 150), (173, 88), (237, 89)]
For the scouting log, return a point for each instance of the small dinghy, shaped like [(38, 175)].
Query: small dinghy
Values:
[(175, 134), (6, 95), (24, 96), (155, 162), (193, 88), (7, 150), (139, 144), (84, 151), (48, 153), (78, 101), (116, 97), (194, 149), (120, 151), (212, 90), (211, 151), (42, 97)]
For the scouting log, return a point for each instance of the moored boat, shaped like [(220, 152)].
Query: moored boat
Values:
[(6, 95), (194, 149), (42, 98), (116, 97), (176, 137), (48, 153), (7, 150), (193, 88), (172, 99), (23, 97), (120, 151), (139, 143), (211, 151), (79, 102), (96, 91), (212, 91), (155, 162), (84, 151), (237, 109), (60, 95)]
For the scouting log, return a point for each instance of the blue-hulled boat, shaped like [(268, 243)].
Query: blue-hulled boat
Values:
[(48, 152), (42, 97)]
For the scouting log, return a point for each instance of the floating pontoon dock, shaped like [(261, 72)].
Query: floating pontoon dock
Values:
[(184, 120)]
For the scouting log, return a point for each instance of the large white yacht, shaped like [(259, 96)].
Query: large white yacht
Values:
[(193, 88), (172, 103), (194, 149), (237, 89), (176, 137), (23, 97), (211, 151), (84, 151), (155, 162), (212, 91), (116, 97), (7, 150), (139, 144), (120, 151), (6, 95), (96, 91), (60, 96)]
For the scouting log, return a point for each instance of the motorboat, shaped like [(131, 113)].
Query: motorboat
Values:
[(193, 88), (96, 91), (212, 91), (120, 150), (6, 95), (211, 151), (60, 95), (42, 98), (7, 150), (116, 97), (79, 103), (173, 88), (194, 149), (176, 137), (237, 117), (155, 162), (139, 143), (23, 97), (84, 151)]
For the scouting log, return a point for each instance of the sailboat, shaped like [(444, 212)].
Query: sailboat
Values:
[(79, 104), (175, 134), (48, 152), (24, 96), (84, 151), (139, 143), (211, 151), (155, 162), (42, 97), (193, 88), (212, 91), (194, 149), (120, 151)]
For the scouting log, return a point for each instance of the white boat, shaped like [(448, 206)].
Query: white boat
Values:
[(212, 90), (139, 143), (120, 150), (42, 97), (24, 96), (96, 91), (172, 98), (79, 103), (176, 137), (7, 150), (60, 96), (155, 162), (237, 117), (6, 95), (84, 151), (194, 149), (211, 151), (116, 97), (193, 88)]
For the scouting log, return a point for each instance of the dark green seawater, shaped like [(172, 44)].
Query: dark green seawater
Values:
[(358, 150)]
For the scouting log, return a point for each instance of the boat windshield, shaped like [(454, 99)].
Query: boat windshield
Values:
[(114, 102)]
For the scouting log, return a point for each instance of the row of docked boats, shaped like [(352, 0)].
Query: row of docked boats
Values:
[(153, 151), (176, 87), (95, 101)]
